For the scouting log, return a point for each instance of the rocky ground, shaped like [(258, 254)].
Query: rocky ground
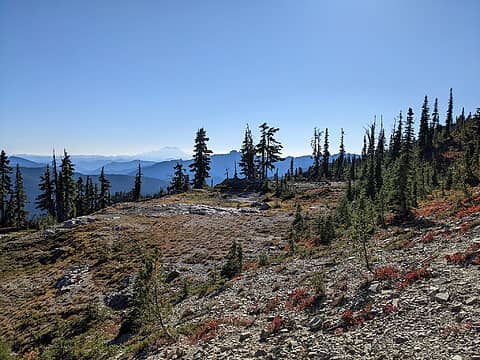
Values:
[(422, 299)]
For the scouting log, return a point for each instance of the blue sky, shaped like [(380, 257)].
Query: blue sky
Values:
[(124, 77)]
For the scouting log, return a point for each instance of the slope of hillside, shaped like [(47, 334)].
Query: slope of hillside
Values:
[(421, 301)]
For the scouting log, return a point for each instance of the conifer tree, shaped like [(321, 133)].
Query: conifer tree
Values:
[(268, 150), (104, 195), (247, 161), (396, 139), (59, 209), (5, 186), (316, 153), (325, 157), (449, 120), (137, 186), (45, 200), (340, 164), (424, 138), (201, 160), (80, 202), (408, 141), (379, 158), (89, 196), (68, 187), (370, 164), (180, 181), (19, 214)]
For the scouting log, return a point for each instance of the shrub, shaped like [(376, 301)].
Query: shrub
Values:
[(262, 259), (150, 302), (324, 227), (234, 263), (317, 281), (298, 226)]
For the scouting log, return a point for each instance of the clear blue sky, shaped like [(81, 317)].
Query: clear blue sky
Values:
[(119, 77)]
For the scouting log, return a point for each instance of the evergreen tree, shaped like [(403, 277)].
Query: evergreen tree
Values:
[(68, 187), (340, 164), (247, 161), (45, 200), (325, 157), (59, 209), (449, 120), (201, 160), (424, 138), (5, 186), (408, 141), (95, 196), (396, 140), (137, 186), (104, 195), (80, 202), (180, 181), (268, 150), (89, 196), (316, 153), (19, 214), (379, 158)]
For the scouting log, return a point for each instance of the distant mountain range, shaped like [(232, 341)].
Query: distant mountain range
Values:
[(121, 171)]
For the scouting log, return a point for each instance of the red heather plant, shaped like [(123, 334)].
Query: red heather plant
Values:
[(386, 272), (299, 300), (276, 324), (413, 276), (205, 332), (470, 256)]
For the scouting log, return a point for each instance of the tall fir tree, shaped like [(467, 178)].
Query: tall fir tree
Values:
[(137, 186), (247, 161), (409, 137), (340, 163), (379, 158), (19, 214), (45, 200), (104, 195), (201, 160), (58, 186), (180, 181), (268, 150), (424, 137), (316, 152), (5, 186), (89, 196), (396, 139), (68, 187), (80, 201), (449, 120), (370, 164), (326, 157)]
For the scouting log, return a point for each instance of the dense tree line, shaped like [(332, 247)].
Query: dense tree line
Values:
[(393, 179)]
